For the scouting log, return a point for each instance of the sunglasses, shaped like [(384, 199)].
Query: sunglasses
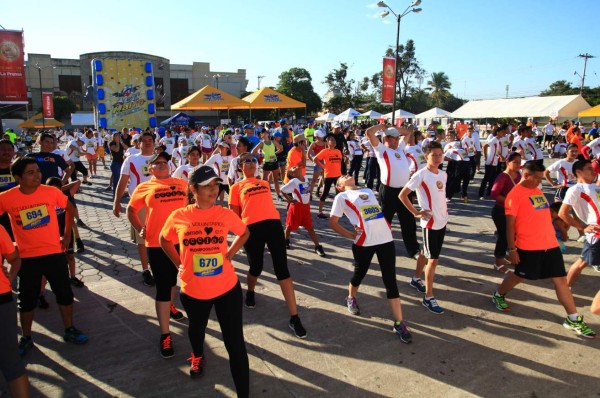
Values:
[(249, 160)]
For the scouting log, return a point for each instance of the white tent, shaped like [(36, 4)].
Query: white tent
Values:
[(433, 113), (326, 117), (400, 113), (372, 114), (348, 115), (561, 106)]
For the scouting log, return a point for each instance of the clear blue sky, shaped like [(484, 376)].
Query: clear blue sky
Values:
[(482, 45)]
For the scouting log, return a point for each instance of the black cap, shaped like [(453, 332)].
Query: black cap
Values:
[(163, 155), (203, 175)]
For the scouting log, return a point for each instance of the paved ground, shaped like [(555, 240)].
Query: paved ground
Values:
[(470, 350)]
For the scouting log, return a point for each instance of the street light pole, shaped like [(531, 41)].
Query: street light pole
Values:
[(39, 68), (409, 9)]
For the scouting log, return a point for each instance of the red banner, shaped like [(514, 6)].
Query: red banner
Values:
[(13, 89), (388, 81), (48, 105)]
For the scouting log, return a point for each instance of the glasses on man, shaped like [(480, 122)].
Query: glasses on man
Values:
[(160, 164), (249, 160)]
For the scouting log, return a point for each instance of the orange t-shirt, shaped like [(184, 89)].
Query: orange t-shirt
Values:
[(6, 248), (202, 238), (161, 198), (533, 222), (33, 219), (253, 196), (332, 158), (294, 158)]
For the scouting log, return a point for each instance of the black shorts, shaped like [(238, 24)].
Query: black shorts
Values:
[(591, 253), (54, 267), (433, 239), (559, 196), (223, 187), (270, 166), (164, 271), (540, 264)]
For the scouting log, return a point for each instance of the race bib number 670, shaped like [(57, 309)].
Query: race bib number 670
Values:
[(34, 217), (208, 264)]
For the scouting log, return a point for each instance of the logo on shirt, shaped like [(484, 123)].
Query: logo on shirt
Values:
[(397, 155), (539, 202), (363, 196), (439, 184)]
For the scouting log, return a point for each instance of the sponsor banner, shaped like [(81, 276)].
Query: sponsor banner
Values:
[(48, 105), (399, 122), (388, 81), (13, 89)]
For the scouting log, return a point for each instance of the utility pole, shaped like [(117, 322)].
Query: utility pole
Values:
[(259, 79), (585, 56), (507, 91)]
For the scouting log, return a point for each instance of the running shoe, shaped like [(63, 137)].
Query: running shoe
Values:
[(319, 250), (25, 345), (75, 336), (465, 199), (250, 302), (322, 215), (297, 327), (76, 282), (148, 278), (481, 198), (287, 244), (352, 305), (500, 302), (196, 365), (417, 284), (432, 305), (175, 314), (596, 268), (401, 330), (166, 346), (80, 246), (42, 303), (87, 182), (280, 198), (108, 188), (579, 327)]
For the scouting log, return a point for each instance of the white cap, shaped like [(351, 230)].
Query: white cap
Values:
[(136, 137), (319, 133)]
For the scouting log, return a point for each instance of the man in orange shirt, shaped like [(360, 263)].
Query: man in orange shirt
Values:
[(533, 247), (31, 207), (296, 156)]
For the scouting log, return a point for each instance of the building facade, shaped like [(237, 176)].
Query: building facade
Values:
[(173, 82)]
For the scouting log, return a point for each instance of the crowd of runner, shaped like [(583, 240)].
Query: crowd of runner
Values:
[(187, 189)]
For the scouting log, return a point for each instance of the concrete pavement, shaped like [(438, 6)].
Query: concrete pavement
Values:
[(472, 349)]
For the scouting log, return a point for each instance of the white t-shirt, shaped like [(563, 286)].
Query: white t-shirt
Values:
[(564, 172), (494, 150), (504, 147), (299, 190), (594, 145), (367, 144), (183, 172), (431, 194), (220, 164), (363, 210), (520, 145), (560, 148), (136, 167), (534, 148), (132, 151), (169, 143), (416, 158), (585, 200), (454, 151), (179, 156), (90, 145), (549, 129), (476, 140), (73, 151), (393, 165), (354, 148), (204, 140), (234, 175)]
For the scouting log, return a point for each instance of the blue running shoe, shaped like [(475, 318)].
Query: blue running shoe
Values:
[(432, 305)]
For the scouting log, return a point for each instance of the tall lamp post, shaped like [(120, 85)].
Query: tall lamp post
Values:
[(39, 69), (409, 9)]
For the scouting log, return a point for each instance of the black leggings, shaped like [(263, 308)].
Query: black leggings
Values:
[(328, 183), (491, 172), (228, 308), (79, 167), (499, 218), (270, 233), (355, 166), (386, 255), (390, 205), (164, 271)]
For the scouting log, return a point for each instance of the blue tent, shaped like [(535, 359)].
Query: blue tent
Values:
[(182, 119)]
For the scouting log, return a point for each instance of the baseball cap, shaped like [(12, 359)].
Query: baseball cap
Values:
[(182, 139), (248, 126), (319, 133), (391, 132), (224, 144), (282, 121), (336, 125), (136, 137), (203, 175), (159, 155), (298, 138)]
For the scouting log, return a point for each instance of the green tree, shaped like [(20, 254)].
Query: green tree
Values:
[(297, 83), (560, 87), (344, 94), (63, 107), (439, 85)]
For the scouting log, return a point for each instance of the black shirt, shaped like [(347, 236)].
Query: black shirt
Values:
[(49, 164), (7, 182), (118, 156)]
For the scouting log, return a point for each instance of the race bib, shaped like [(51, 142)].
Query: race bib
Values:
[(145, 171), (598, 195), (208, 264), (7, 181), (34, 217), (371, 212), (225, 167), (422, 159), (539, 202), (471, 152)]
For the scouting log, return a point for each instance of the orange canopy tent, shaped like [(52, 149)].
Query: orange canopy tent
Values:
[(267, 98), (38, 122), (209, 98)]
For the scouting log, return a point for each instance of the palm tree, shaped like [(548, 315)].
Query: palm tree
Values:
[(439, 85)]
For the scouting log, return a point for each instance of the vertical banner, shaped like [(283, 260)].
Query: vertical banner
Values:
[(48, 105), (399, 122), (13, 89), (389, 78)]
